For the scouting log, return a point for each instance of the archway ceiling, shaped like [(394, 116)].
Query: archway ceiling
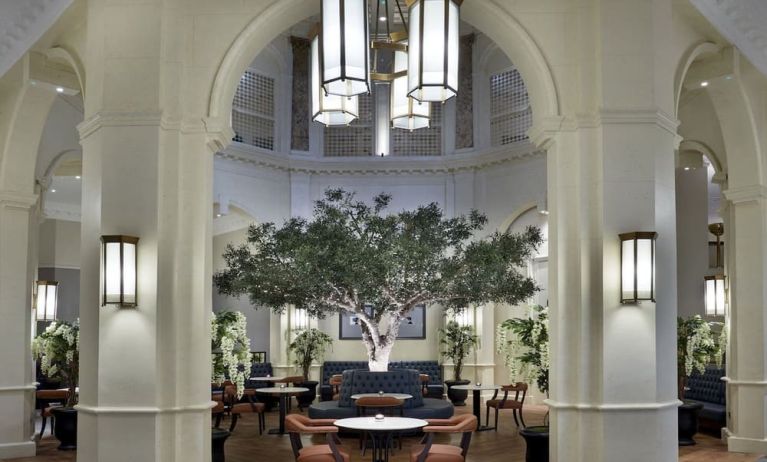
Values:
[(22, 23), (742, 22)]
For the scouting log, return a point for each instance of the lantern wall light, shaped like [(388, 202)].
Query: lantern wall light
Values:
[(715, 296), (329, 109), (300, 318), (119, 270), (344, 52), (638, 266), (46, 300)]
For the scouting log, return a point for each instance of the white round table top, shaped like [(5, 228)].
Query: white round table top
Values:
[(278, 390), (476, 387), (387, 424), (388, 395), (266, 379)]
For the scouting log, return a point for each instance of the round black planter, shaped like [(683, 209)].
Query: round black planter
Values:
[(537, 441), (217, 444), (688, 422), (457, 397), (306, 398), (65, 427)]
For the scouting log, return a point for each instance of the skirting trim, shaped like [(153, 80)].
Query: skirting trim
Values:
[(745, 383), (144, 410), (29, 387), (612, 407), (14, 450)]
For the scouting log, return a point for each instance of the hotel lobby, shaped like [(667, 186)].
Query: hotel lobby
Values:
[(406, 230)]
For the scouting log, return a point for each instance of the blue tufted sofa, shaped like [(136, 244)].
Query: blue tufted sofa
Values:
[(394, 381), (262, 370), (331, 368), (709, 390), (435, 389)]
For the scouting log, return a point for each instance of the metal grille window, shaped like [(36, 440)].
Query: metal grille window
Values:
[(253, 111), (510, 112), (421, 142), (355, 139)]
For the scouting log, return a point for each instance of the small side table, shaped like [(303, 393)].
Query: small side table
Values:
[(283, 392), (476, 389)]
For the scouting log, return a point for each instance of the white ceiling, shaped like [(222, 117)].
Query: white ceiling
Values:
[(22, 23)]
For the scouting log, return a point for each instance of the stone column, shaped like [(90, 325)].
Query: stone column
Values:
[(464, 111), (147, 172), (300, 96), (611, 171), (746, 253)]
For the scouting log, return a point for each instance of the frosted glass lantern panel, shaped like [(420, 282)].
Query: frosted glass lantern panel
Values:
[(329, 109), (129, 273), (433, 60), (50, 302), (40, 305), (644, 269), (112, 272), (406, 112), (345, 47), (627, 269), (714, 296)]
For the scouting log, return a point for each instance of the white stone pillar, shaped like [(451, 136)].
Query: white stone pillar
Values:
[(746, 253), (17, 270)]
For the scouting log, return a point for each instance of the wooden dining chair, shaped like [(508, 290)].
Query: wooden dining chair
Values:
[(46, 401), (515, 404), (427, 451), (248, 404), (298, 424)]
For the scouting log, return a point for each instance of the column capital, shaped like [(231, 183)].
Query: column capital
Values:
[(18, 200)]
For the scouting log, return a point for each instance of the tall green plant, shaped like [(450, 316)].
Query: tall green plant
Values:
[(58, 349), (524, 345), (352, 255), (696, 348), (309, 346), (230, 349), (457, 342)]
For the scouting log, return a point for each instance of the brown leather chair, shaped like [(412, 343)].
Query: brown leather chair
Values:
[(383, 404), (424, 378), (46, 401), (515, 404), (430, 452), (236, 408), (298, 424), (335, 385)]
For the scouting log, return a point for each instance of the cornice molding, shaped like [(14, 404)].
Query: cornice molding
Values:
[(435, 165), (17, 200), (55, 211), (743, 194), (612, 407)]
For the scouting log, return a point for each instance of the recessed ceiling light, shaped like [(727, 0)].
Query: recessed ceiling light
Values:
[(382, 19), (77, 177), (59, 89), (704, 83), (727, 77), (687, 168), (218, 215), (53, 190)]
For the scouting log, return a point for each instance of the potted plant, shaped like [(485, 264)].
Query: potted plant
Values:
[(696, 348), (230, 349), (308, 346), (58, 349), (457, 342), (353, 257), (524, 345)]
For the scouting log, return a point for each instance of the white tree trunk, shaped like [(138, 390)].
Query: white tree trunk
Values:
[(380, 362)]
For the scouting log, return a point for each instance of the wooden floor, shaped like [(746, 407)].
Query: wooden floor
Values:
[(245, 445)]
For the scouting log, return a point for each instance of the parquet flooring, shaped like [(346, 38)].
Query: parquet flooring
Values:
[(245, 445)]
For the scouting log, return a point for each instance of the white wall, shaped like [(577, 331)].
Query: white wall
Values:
[(692, 239), (59, 244)]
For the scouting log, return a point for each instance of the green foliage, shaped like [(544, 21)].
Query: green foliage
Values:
[(696, 347), (524, 344), (457, 342), (58, 349), (309, 346), (352, 253)]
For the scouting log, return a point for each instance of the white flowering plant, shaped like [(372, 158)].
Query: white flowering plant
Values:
[(309, 346), (697, 347), (230, 349), (58, 350), (524, 345)]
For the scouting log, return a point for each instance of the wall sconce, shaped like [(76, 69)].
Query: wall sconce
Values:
[(46, 300), (119, 270), (638, 266), (463, 317), (300, 318), (715, 294)]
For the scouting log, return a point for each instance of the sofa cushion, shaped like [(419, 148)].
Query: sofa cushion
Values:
[(330, 410), (713, 412)]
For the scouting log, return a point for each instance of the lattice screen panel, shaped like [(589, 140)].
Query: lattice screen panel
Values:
[(253, 111), (421, 142), (356, 139), (510, 112)]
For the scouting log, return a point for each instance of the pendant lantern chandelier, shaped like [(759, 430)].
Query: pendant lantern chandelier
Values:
[(424, 71), (329, 109), (434, 40), (344, 51)]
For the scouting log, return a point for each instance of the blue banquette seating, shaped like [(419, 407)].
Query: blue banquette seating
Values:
[(331, 368), (435, 388), (710, 390)]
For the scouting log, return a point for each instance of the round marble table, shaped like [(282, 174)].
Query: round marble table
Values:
[(267, 379), (476, 389), (402, 396), (284, 393), (381, 431)]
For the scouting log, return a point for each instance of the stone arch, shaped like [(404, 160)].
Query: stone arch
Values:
[(498, 24), (693, 53), (506, 224), (703, 148)]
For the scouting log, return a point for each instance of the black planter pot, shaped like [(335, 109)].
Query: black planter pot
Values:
[(306, 398), (217, 444), (537, 441), (65, 427), (457, 397), (688, 422)]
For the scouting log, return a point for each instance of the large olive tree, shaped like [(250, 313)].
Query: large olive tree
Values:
[(352, 254)]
